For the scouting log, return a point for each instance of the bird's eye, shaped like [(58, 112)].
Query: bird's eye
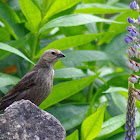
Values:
[(53, 53)]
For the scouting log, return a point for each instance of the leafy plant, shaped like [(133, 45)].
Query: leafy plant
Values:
[(90, 84)]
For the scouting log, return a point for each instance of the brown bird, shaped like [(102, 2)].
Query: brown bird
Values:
[(37, 83)]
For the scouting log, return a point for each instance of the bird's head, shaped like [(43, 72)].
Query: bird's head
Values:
[(51, 56)]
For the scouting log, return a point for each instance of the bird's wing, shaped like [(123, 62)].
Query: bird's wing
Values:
[(25, 83)]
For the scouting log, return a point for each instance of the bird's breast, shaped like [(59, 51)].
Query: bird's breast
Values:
[(46, 81)]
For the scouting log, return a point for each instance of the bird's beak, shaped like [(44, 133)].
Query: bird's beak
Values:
[(61, 55)]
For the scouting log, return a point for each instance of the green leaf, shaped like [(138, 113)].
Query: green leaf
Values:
[(38, 3), (46, 6), (5, 89), (119, 136), (121, 104), (115, 75), (10, 19), (65, 12), (96, 8), (114, 89), (119, 79), (69, 73), (117, 48), (69, 42), (58, 6), (115, 29), (114, 2), (78, 97), (84, 56), (125, 94), (73, 136), (91, 127), (4, 34), (20, 43), (73, 20), (63, 90), (70, 115), (6, 80), (13, 50), (112, 124), (32, 14)]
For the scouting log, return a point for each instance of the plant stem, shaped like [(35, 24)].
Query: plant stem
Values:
[(101, 24), (34, 46), (90, 91), (34, 49), (130, 90)]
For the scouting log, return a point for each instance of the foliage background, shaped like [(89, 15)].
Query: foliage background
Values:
[(89, 96)]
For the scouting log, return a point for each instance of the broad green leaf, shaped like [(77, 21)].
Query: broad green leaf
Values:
[(121, 104), (96, 8), (58, 6), (13, 50), (5, 89), (63, 90), (38, 3), (65, 12), (73, 136), (138, 132), (113, 2), (59, 65), (84, 56), (90, 1), (112, 124), (119, 79), (115, 29), (91, 127), (4, 34), (70, 115), (115, 75), (111, 107), (78, 97), (137, 120), (105, 70), (69, 42), (117, 48), (125, 94), (120, 136), (6, 80), (32, 14), (69, 73), (73, 20), (114, 89), (46, 5), (16, 44), (10, 19)]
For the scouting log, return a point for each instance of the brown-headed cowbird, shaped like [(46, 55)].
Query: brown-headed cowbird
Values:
[(37, 83)]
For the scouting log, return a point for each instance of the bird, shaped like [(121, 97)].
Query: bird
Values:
[(37, 84)]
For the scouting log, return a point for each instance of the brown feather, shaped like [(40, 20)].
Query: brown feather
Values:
[(37, 84)]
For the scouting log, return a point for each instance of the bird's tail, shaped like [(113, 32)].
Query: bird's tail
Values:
[(4, 105), (7, 100)]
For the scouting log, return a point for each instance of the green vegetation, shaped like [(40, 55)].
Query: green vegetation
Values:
[(89, 96)]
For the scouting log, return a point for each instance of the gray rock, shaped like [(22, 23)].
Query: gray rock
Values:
[(25, 121)]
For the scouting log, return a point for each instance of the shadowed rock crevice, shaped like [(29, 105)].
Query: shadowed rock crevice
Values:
[(25, 121)]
